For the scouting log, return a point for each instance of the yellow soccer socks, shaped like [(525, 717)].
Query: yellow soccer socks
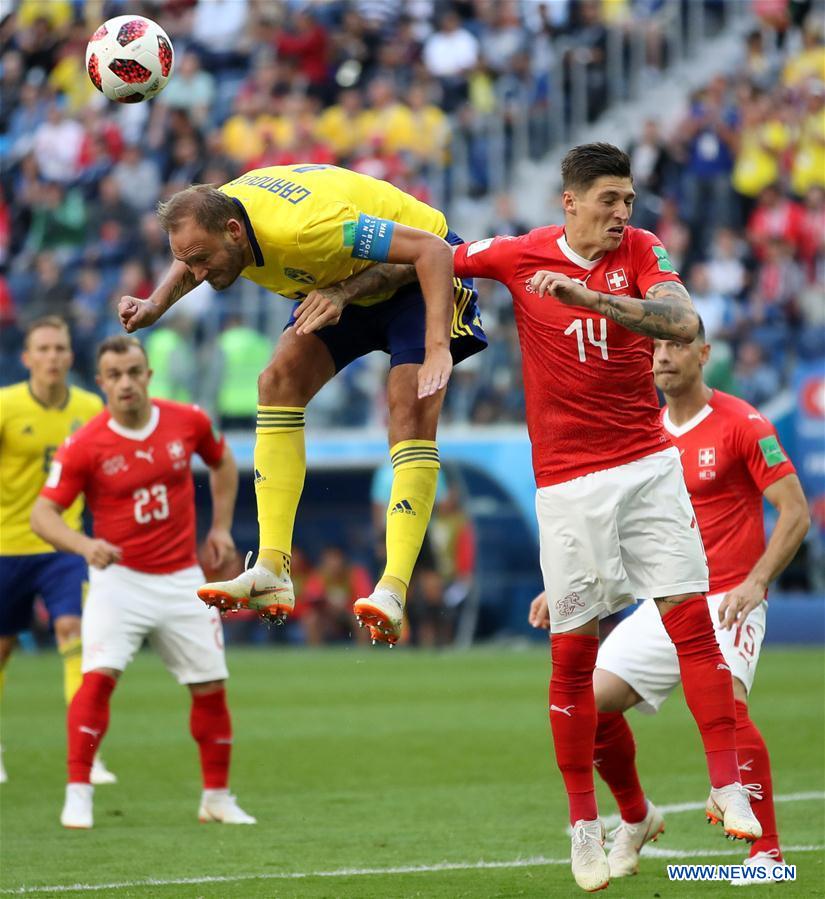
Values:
[(72, 654), (415, 478), (280, 469)]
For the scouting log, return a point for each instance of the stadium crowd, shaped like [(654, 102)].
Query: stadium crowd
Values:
[(736, 190)]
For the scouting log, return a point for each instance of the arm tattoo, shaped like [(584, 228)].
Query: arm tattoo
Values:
[(665, 313), (182, 286), (377, 279)]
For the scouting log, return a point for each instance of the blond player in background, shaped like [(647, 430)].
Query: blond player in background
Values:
[(36, 416)]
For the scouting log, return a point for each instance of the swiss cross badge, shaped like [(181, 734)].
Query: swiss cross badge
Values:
[(616, 280), (175, 449), (707, 457)]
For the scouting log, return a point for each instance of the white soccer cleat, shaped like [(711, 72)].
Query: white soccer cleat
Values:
[(628, 840), (383, 612), (588, 860), (3, 776), (101, 775), (221, 806), (731, 807), (257, 588), (77, 809), (764, 862)]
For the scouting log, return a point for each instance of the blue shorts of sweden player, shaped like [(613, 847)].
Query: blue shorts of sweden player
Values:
[(59, 578), (396, 326)]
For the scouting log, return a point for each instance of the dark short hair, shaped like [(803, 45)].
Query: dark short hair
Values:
[(204, 203), (700, 334), (119, 343), (582, 165), (44, 321)]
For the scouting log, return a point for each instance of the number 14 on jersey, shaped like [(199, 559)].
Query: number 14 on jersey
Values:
[(581, 326)]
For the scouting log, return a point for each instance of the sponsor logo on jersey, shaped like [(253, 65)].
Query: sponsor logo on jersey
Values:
[(707, 457), (114, 465), (772, 452), (616, 280), (479, 246), (569, 604), (707, 474), (259, 478), (665, 265), (147, 455), (403, 508)]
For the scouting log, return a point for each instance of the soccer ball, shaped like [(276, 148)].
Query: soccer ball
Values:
[(129, 59)]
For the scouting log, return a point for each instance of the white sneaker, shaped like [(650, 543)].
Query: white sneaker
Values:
[(77, 809), (588, 859), (383, 612), (258, 588), (731, 806), (628, 840), (221, 806), (101, 775), (763, 862), (3, 776)]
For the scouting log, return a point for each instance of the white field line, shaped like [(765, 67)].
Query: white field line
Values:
[(537, 861)]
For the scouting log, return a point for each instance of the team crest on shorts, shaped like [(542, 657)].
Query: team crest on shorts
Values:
[(569, 604)]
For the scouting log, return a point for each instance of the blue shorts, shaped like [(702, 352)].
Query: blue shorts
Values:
[(396, 326), (59, 578)]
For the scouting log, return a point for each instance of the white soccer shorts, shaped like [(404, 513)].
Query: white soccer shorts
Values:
[(617, 534), (123, 607), (639, 651)]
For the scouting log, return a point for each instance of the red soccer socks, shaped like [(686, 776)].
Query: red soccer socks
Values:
[(211, 727), (708, 686), (755, 772), (573, 719), (87, 720), (615, 760)]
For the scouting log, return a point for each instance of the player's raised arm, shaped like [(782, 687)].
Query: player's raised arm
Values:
[(786, 496), (324, 306), (665, 313), (48, 524), (135, 313)]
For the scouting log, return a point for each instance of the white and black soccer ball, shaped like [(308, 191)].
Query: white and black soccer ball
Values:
[(130, 59)]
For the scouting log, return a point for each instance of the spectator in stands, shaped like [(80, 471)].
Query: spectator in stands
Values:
[(756, 381), (192, 89), (776, 217), (57, 143), (714, 308), (137, 178), (450, 54), (328, 596)]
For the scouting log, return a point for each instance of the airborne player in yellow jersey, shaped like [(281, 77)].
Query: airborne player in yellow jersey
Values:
[(36, 416), (300, 231)]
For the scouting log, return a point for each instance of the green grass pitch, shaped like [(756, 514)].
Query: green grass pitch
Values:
[(373, 761)]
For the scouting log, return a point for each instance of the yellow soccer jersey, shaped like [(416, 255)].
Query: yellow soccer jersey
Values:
[(315, 225), (30, 434)]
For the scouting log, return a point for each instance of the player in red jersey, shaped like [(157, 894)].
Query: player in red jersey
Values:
[(732, 459), (615, 520), (132, 462)]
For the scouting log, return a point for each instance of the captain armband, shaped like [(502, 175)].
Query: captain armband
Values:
[(369, 237)]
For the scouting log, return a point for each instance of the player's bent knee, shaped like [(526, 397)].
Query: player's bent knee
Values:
[(114, 673), (740, 692), (612, 693), (66, 628)]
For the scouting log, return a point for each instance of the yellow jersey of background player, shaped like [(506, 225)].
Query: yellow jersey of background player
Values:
[(30, 433)]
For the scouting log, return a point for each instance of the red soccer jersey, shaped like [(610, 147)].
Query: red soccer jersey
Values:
[(730, 455), (591, 403), (138, 484)]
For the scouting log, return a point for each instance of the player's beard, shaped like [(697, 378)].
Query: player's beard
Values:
[(234, 266)]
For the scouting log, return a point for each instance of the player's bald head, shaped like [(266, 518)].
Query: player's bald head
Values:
[(201, 203)]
